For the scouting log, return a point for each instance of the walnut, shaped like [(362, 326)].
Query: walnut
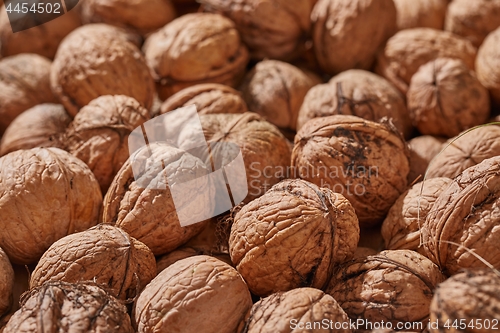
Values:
[(6, 284), (487, 64), (421, 13), (422, 150)]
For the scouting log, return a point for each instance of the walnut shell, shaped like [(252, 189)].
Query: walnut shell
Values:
[(6, 283), (195, 48), (393, 286), (61, 306), (42, 39), (445, 98), (209, 98), (43, 125), (473, 20), (45, 194), (347, 34), (464, 220), (297, 310), (105, 255), (354, 157), (24, 83), (472, 295), (144, 208), (143, 16), (422, 150), (200, 284), (421, 13), (292, 236), (466, 151), (275, 29), (409, 49), (99, 134), (488, 64), (108, 64), (358, 93), (276, 90), (401, 227)]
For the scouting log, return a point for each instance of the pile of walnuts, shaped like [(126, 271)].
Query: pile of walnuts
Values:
[(251, 166)]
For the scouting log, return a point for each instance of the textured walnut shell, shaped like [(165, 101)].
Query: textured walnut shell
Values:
[(275, 29), (421, 13), (276, 90), (209, 98), (445, 98), (149, 214), (473, 20), (42, 39), (43, 125), (401, 227), (6, 283), (143, 16), (45, 194), (105, 255), (292, 236), (184, 252), (422, 150), (464, 219), (488, 64), (99, 134), (24, 83), (358, 93), (409, 49), (61, 306), (347, 34), (472, 295), (108, 64), (195, 48), (466, 151), (393, 286), (354, 157), (281, 311), (198, 285)]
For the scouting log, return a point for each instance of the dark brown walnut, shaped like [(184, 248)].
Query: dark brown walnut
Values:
[(358, 93), (45, 194), (422, 150), (473, 296), (409, 49), (421, 13), (401, 227), (461, 153), (293, 236), (142, 204), (184, 252), (209, 98), (97, 60), (6, 284), (347, 34), (198, 285), (462, 229), (354, 157), (275, 29), (297, 310), (24, 83), (473, 20), (143, 16), (105, 255), (69, 307), (488, 65), (43, 39), (99, 134), (445, 98), (276, 90), (195, 48), (393, 286), (43, 125)]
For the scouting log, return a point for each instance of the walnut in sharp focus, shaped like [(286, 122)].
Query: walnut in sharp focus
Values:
[(99, 134), (488, 64), (421, 13), (195, 48), (43, 125), (347, 34), (422, 150), (97, 60), (6, 284)]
